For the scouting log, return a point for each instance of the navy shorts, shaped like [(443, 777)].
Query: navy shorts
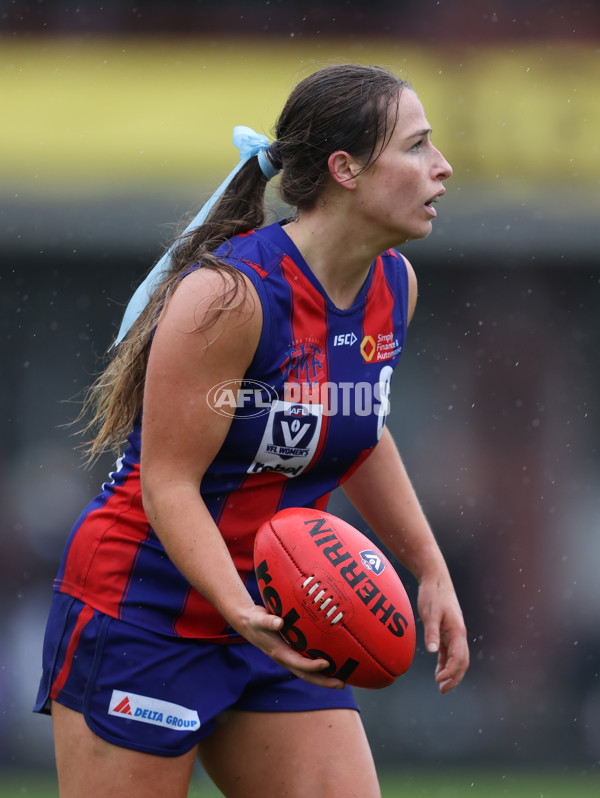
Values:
[(160, 694)]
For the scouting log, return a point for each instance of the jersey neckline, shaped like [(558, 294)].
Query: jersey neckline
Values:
[(276, 235)]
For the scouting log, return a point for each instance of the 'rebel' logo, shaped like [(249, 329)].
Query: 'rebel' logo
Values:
[(292, 633), (372, 561)]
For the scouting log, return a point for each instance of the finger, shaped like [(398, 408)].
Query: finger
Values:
[(318, 679), (309, 670), (447, 685), (432, 643), (305, 667), (431, 626), (275, 622), (290, 658), (450, 671), (305, 664), (448, 679), (265, 622)]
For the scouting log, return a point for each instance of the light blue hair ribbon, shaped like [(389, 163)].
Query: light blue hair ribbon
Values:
[(249, 144)]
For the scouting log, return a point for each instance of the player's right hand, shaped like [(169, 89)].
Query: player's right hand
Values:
[(261, 628)]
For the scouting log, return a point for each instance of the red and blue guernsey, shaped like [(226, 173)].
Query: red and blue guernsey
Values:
[(310, 409)]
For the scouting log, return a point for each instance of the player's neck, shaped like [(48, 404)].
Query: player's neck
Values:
[(334, 253)]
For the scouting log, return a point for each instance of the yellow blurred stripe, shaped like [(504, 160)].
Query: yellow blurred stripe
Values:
[(93, 114)]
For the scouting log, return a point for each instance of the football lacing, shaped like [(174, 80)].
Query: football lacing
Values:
[(324, 602)]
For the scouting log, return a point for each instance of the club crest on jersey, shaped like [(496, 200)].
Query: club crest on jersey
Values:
[(372, 561), (290, 438), (304, 361)]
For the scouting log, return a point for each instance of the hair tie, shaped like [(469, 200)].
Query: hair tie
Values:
[(249, 144), (267, 166), (274, 156)]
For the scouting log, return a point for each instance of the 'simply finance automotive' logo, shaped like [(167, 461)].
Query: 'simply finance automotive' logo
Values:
[(231, 395)]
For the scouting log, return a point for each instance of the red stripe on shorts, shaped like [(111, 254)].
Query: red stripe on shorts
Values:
[(86, 615)]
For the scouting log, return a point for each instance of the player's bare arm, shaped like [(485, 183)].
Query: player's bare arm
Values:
[(382, 493), (181, 437)]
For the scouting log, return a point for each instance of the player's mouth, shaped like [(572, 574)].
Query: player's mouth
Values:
[(429, 204)]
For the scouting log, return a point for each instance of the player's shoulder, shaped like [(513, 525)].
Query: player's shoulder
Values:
[(396, 263), (412, 286), (211, 298), (257, 250), (400, 272)]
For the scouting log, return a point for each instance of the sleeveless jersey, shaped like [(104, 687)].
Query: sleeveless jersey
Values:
[(310, 409)]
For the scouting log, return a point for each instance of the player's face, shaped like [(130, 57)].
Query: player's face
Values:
[(396, 193)]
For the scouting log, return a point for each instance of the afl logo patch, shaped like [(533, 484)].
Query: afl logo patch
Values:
[(372, 561), (290, 438)]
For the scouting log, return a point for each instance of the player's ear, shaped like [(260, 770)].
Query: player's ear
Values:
[(343, 169)]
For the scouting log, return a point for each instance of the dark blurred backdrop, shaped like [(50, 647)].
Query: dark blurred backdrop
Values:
[(495, 405)]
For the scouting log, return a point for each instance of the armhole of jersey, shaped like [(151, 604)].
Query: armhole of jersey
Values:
[(259, 359), (402, 273)]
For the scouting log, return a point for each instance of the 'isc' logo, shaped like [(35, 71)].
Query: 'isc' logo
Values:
[(345, 339)]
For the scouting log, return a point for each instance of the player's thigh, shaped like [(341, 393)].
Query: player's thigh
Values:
[(91, 767), (321, 753)]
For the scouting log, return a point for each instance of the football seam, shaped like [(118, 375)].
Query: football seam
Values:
[(352, 635)]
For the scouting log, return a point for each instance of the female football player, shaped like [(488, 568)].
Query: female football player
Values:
[(158, 649)]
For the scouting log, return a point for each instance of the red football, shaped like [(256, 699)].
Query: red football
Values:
[(338, 595)]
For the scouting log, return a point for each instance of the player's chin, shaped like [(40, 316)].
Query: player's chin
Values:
[(413, 235), (423, 230), (418, 232)]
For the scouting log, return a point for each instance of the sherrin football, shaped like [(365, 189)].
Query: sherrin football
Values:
[(338, 595)]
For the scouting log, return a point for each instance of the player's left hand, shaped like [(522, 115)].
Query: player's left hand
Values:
[(445, 632)]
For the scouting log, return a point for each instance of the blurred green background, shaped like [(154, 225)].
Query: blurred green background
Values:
[(116, 125)]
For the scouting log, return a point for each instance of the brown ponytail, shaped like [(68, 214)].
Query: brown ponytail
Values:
[(114, 400)]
